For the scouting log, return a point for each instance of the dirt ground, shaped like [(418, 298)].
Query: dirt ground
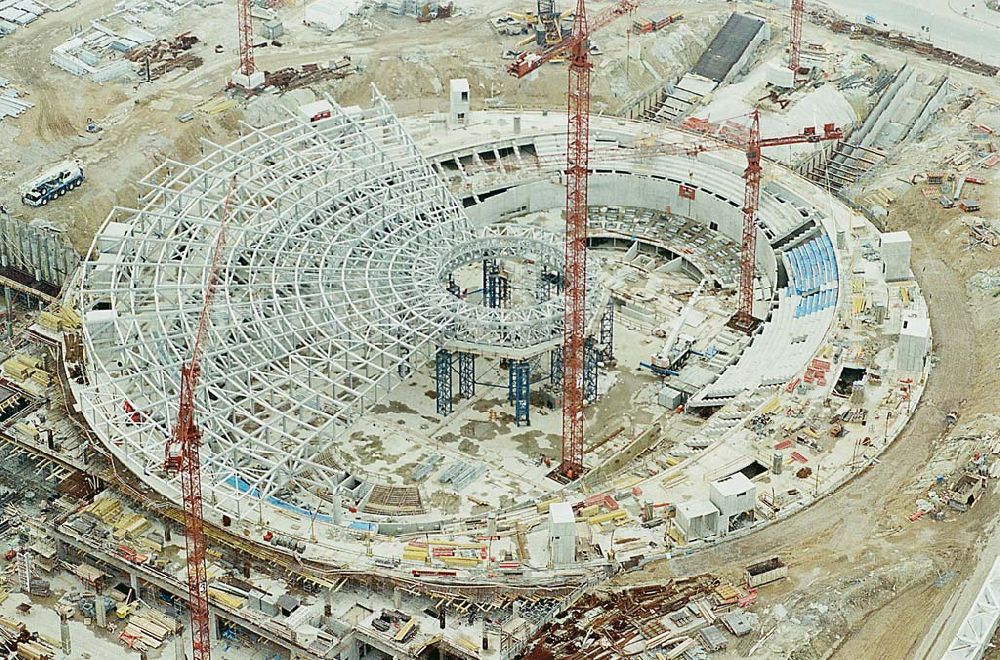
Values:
[(410, 63)]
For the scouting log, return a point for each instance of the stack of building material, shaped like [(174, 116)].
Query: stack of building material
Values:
[(384, 499), (61, 319), (20, 12), (655, 22), (11, 634), (26, 430), (25, 368), (225, 598), (216, 105), (149, 628), (130, 526), (712, 638), (462, 473), (415, 551), (20, 367), (106, 510), (10, 103)]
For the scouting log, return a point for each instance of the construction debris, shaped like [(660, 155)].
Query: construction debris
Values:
[(293, 77), (159, 57), (11, 105), (674, 618), (655, 22), (900, 41), (430, 12)]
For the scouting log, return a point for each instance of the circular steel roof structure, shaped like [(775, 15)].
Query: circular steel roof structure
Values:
[(332, 288)]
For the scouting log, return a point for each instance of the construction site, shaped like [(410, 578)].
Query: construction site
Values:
[(497, 329)]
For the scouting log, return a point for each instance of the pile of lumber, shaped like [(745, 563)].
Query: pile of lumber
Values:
[(130, 526), (107, 509), (147, 628), (21, 367), (29, 645), (64, 318)]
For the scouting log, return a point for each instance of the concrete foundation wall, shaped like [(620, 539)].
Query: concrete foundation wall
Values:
[(934, 104)]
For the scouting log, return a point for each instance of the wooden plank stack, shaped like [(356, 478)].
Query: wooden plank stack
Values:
[(148, 628), (29, 646)]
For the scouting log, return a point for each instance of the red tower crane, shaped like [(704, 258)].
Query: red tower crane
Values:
[(577, 47), (246, 37), (748, 140), (796, 36), (183, 454)]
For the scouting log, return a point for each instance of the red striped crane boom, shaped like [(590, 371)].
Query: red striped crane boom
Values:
[(577, 48), (183, 454)]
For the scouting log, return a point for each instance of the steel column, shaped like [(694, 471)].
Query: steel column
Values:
[(466, 375), (442, 373), (521, 371)]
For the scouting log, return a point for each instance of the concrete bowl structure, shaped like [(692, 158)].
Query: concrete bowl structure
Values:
[(342, 286)]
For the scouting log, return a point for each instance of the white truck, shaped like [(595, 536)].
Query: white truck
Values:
[(53, 184)]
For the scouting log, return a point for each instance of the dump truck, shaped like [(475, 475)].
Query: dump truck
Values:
[(54, 184)]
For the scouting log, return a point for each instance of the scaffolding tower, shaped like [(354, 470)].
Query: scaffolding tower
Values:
[(606, 338), (466, 375), (556, 365), (496, 285), (442, 377), (589, 370), (519, 383)]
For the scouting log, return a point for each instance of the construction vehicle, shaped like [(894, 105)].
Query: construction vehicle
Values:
[(53, 184), (544, 23)]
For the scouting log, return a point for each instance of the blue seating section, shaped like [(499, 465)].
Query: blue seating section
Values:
[(813, 274)]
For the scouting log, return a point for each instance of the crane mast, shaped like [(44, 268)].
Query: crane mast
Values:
[(183, 455), (796, 36), (246, 37), (744, 320), (577, 48), (575, 270)]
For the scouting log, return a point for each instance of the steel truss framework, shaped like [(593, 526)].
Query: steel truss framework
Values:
[(980, 623), (333, 286)]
